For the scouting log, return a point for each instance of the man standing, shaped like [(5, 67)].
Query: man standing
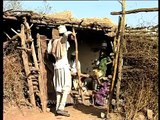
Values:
[(62, 74)]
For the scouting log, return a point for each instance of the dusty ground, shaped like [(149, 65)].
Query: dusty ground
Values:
[(77, 112)]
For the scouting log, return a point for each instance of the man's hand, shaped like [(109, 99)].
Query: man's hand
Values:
[(72, 37), (73, 73), (74, 34)]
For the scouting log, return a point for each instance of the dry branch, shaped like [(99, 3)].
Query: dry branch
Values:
[(136, 11), (17, 34)]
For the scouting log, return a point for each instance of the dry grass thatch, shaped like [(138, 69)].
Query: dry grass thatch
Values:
[(100, 21), (67, 15), (64, 17), (61, 15)]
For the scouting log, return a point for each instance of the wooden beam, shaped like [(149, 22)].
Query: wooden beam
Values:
[(8, 10), (42, 76), (70, 24), (9, 18), (28, 11), (25, 49), (136, 11)]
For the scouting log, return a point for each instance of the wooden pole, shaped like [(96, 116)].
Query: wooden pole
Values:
[(117, 35), (26, 65), (114, 43), (122, 47), (119, 78), (136, 11), (123, 41), (42, 77), (77, 67), (115, 65)]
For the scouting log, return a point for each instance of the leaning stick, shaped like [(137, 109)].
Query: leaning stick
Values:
[(77, 67), (7, 35)]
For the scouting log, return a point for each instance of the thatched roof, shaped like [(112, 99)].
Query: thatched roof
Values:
[(66, 18)]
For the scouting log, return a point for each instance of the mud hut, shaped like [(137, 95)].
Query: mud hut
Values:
[(91, 32)]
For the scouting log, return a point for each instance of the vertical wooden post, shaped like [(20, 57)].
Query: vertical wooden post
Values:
[(77, 67), (123, 3), (114, 43), (122, 48), (42, 83), (115, 65)]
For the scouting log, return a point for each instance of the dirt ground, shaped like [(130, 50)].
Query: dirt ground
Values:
[(78, 112)]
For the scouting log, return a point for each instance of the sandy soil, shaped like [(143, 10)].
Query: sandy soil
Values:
[(77, 112)]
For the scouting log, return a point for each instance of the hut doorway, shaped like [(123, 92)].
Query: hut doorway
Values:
[(89, 45)]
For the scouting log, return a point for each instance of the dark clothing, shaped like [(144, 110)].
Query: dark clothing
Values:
[(100, 95)]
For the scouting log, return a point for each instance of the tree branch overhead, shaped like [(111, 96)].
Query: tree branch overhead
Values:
[(136, 11)]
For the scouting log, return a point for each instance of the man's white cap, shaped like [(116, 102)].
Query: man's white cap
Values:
[(62, 29)]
